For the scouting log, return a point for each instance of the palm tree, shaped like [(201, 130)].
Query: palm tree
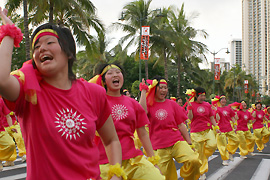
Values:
[(13, 5), (135, 15), (78, 15), (181, 37), (160, 44), (234, 81)]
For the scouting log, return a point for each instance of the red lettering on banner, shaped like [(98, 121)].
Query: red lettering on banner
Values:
[(217, 72)]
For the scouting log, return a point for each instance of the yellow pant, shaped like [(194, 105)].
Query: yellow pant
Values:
[(205, 144), (18, 139), (138, 168), (261, 137), (182, 153), (7, 147), (247, 142), (225, 147)]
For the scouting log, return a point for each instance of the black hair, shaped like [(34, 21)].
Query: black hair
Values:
[(258, 103), (66, 42), (125, 93), (158, 78), (178, 99), (102, 66), (223, 97), (199, 90)]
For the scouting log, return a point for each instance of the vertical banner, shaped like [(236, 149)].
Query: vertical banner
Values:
[(217, 68), (144, 51), (246, 86)]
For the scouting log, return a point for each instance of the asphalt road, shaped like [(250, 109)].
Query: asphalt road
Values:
[(254, 167)]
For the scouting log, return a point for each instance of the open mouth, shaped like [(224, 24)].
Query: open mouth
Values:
[(116, 82), (45, 58)]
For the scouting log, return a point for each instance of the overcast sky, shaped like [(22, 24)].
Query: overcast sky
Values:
[(221, 19)]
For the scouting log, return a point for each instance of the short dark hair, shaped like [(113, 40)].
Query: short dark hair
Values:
[(67, 44), (199, 90), (102, 66), (258, 103), (158, 78)]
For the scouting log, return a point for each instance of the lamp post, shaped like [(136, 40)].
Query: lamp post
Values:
[(140, 43), (214, 54)]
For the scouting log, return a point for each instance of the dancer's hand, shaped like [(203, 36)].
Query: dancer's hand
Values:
[(14, 130), (116, 178), (4, 17), (189, 104)]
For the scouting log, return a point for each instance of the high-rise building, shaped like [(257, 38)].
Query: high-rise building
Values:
[(236, 52), (255, 41)]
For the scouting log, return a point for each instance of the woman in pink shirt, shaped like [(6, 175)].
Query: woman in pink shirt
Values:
[(128, 116), (247, 140), (58, 113), (7, 145), (267, 115), (224, 118), (15, 132), (167, 130), (260, 132), (202, 118)]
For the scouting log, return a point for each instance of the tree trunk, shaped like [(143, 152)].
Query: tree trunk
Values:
[(178, 75), (165, 64), (166, 69), (51, 12), (26, 30), (146, 68)]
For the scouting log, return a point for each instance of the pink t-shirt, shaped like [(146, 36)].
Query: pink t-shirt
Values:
[(258, 119), (268, 118), (164, 120), (128, 115), (59, 130), (201, 117), (4, 111), (243, 119), (226, 114)]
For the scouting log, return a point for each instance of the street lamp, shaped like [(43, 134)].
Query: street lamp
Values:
[(140, 43), (214, 54)]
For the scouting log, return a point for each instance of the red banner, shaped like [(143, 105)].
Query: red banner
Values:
[(217, 71), (246, 86), (144, 51)]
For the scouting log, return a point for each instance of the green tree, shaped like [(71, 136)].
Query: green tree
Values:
[(14, 5), (136, 14), (184, 47), (234, 81)]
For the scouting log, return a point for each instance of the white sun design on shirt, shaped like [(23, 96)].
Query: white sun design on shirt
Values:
[(259, 116), (70, 124), (225, 113), (119, 112), (245, 117), (161, 114), (200, 109)]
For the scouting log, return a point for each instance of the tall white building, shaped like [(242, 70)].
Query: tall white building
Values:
[(236, 52), (255, 41)]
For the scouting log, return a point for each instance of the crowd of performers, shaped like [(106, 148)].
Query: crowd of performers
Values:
[(79, 129)]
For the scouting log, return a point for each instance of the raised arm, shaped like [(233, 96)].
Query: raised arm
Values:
[(9, 85), (189, 108), (143, 96)]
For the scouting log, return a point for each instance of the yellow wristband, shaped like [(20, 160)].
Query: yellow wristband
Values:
[(216, 127), (116, 170), (191, 146), (154, 159), (235, 123)]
